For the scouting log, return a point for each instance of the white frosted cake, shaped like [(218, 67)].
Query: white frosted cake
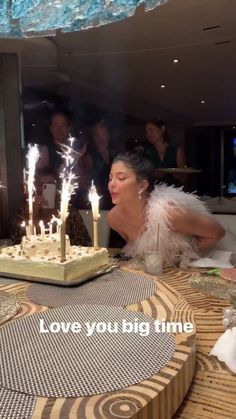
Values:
[(48, 245), (40, 258)]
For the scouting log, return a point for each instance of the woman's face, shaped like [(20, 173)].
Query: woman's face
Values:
[(101, 137), (123, 185), (154, 133)]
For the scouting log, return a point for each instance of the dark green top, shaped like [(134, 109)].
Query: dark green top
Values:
[(169, 160)]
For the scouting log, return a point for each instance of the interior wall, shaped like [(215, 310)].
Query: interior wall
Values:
[(10, 142)]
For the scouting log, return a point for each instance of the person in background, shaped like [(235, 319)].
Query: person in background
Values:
[(162, 153), (80, 199), (98, 161), (143, 212), (59, 127)]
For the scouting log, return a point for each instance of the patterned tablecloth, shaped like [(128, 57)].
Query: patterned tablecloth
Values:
[(212, 393)]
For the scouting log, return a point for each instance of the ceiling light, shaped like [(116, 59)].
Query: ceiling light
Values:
[(202, 102), (223, 42), (175, 60), (209, 28), (163, 86)]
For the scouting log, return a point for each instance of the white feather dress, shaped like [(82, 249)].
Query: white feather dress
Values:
[(171, 243)]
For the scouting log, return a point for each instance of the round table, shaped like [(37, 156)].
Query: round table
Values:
[(158, 397)]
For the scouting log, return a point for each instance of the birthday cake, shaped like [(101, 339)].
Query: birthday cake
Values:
[(40, 259), (48, 245)]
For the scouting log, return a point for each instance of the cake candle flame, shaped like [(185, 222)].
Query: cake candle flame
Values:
[(94, 199), (24, 228), (32, 158)]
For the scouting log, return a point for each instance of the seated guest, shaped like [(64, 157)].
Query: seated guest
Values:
[(98, 161), (162, 153), (142, 209)]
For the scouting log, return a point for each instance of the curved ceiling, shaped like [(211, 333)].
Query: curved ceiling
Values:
[(135, 56), (124, 64)]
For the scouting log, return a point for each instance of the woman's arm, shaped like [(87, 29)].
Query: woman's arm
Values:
[(44, 160), (206, 229)]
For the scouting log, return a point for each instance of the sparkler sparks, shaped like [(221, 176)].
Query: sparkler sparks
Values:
[(32, 158), (68, 187), (68, 177)]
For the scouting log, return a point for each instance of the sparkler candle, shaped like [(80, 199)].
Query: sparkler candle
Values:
[(32, 158), (94, 199), (68, 187)]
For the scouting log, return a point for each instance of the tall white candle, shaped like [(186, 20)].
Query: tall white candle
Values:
[(94, 199), (42, 229), (23, 227)]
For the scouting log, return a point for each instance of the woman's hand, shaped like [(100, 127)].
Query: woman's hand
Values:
[(204, 243)]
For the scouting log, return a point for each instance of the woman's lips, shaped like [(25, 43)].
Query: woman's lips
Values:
[(114, 194)]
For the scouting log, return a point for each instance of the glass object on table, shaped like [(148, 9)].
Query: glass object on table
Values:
[(180, 261), (153, 262)]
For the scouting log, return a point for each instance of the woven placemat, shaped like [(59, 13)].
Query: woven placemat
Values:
[(118, 288), (9, 306), (73, 364), (212, 285), (15, 405)]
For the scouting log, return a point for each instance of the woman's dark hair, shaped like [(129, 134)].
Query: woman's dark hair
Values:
[(159, 123), (61, 112), (139, 163)]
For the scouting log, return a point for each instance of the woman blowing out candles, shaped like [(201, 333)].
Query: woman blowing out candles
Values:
[(186, 226)]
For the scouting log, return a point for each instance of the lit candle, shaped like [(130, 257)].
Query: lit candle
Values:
[(27, 232), (23, 227), (42, 229), (50, 229), (94, 199), (30, 228)]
